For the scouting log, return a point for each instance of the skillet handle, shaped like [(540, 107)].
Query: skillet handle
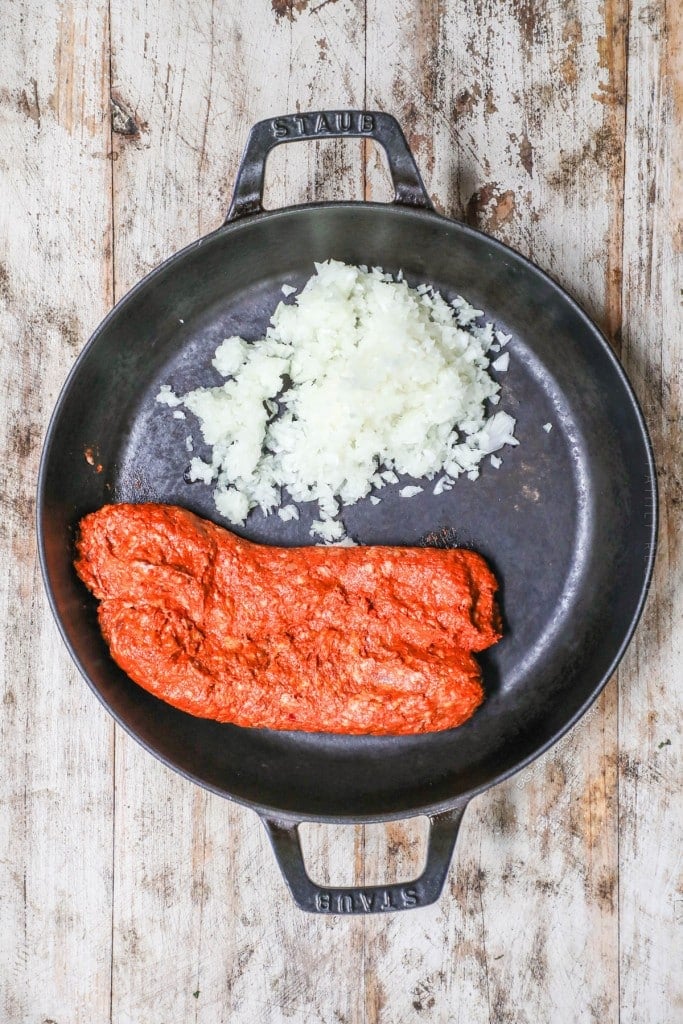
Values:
[(367, 899), (247, 197)]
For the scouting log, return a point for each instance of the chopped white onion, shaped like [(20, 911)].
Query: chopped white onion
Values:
[(361, 379)]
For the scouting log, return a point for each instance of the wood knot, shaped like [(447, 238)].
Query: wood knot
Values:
[(123, 121)]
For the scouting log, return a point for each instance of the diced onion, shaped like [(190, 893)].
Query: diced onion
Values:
[(359, 380)]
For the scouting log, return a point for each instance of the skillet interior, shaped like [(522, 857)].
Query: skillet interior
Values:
[(567, 521)]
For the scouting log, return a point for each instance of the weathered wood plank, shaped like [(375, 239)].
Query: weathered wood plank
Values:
[(55, 740), (200, 906), (650, 830), (515, 112)]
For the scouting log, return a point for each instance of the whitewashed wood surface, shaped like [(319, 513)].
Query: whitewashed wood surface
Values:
[(128, 895)]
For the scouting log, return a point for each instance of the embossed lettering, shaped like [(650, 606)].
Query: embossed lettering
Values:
[(324, 123), (409, 897), (344, 903), (322, 901), (386, 903), (366, 901)]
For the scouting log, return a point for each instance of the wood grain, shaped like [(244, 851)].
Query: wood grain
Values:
[(499, 102), (55, 740), (650, 824), (129, 896), (195, 879)]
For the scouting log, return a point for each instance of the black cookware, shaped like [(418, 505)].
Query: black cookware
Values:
[(567, 521)]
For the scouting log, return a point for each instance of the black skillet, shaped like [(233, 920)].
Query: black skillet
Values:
[(568, 521)]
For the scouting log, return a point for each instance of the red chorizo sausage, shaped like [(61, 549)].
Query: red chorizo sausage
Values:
[(323, 639)]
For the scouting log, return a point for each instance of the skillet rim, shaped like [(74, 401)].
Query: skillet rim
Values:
[(502, 250)]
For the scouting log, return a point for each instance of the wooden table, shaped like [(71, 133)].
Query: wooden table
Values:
[(129, 895)]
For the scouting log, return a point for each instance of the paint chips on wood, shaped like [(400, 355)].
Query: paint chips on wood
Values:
[(129, 895)]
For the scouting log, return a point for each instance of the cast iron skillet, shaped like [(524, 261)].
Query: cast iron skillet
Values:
[(568, 521)]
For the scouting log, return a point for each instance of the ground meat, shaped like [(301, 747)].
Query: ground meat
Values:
[(323, 639)]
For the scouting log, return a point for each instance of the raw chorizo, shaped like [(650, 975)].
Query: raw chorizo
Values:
[(323, 639)]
